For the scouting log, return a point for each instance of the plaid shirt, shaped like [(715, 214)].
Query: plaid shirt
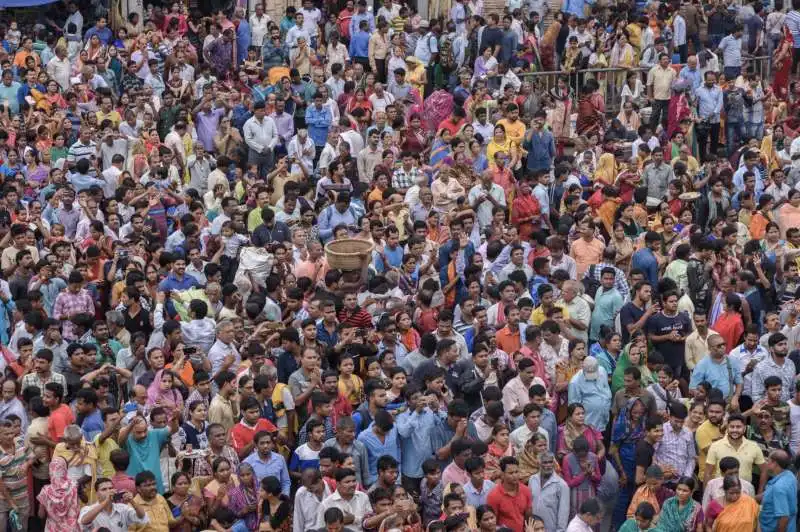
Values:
[(677, 450), (404, 180), (620, 282), (33, 379), (67, 305)]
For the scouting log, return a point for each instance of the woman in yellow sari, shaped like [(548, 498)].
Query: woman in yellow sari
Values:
[(416, 75), (607, 170), (216, 492), (501, 143), (769, 152), (737, 513)]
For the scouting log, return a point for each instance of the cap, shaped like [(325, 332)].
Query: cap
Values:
[(590, 370)]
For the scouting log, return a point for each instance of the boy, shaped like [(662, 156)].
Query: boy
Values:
[(120, 459), (431, 488), (307, 455)]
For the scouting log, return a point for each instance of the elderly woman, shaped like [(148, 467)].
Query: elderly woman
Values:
[(59, 503)]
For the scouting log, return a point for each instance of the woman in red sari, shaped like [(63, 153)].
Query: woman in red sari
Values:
[(782, 59), (679, 107), (526, 213)]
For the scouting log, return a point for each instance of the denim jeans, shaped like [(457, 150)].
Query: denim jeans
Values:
[(733, 136), (239, 526), (754, 129)]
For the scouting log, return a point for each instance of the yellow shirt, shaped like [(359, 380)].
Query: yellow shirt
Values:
[(538, 317), (515, 131), (104, 450), (661, 80), (706, 434), (222, 411), (748, 454), (158, 513), (113, 116)]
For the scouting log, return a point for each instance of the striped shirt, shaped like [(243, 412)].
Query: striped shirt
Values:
[(13, 476), (80, 151), (792, 20)]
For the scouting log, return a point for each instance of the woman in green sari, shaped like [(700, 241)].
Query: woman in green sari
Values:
[(681, 513), (634, 354)]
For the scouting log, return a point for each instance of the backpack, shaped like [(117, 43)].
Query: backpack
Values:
[(590, 283)]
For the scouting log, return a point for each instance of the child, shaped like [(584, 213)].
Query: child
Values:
[(307, 455), (398, 378), (38, 427), (435, 385), (121, 481), (229, 251), (350, 385), (665, 391), (13, 36), (253, 64), (431, 488)]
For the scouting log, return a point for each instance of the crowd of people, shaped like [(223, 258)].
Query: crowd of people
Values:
[(399, 268)]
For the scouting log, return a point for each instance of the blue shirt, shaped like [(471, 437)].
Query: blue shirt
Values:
[(104, 35), (416, 443), (645, 260), (574, 7), (304, 457), (693, 76), (377, 448), (146, 454), (477, 498), (356, 21), (329, 339), (331, 217), (243, 40), (717, 374), (709, 103), (541, 149), (83, 181), (359, 44), (594, 395), (780, 500), (318, 122), (8, 96), (92, 425), (738, 179), (274, 466), (731, 51)]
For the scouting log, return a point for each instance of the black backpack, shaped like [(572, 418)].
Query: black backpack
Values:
[(590, 283)]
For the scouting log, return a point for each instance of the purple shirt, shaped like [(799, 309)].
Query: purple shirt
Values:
[(284, 125), (207, 125)]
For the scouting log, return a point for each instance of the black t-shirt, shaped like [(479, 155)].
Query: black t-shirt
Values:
[(629, 314), (644, 454), (491, 37), (659, 325)]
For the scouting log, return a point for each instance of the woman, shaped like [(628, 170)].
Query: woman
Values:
[(499, 446), (193, 431), (414, 139), (501, 143), (789, 213), (559, 116), (738, 513), (634, 354), (58, 501), (606, 171), (696, 417), (244, 497), (772, 246), (274, 506), (526, 213), (359, 101), (608, 356), (217, 492), (485, 65), (679, 106), (163, 392), (183, 504), (440, 149), (782, 60), (529, 457), (681, 513), (627, 430), (581, 471), (487, 519), (576, 427), (624, 246), (565, 372), (622, 56), (93, 48)]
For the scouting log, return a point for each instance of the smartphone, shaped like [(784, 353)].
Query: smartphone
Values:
[(118, 496)]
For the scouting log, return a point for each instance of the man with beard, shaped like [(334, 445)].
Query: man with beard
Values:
[(709, 432), (778, 365), (735, 444)]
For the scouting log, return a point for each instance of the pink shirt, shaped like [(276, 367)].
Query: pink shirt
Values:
[(453, 473)]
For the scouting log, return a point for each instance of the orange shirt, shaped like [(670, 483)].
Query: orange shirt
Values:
[(758, 225), (507, 340), (22, 55), (59, 419), (585, 254)]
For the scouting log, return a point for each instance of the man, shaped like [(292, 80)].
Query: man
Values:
[(267, 463), (261, 136), (42, 372), (668, 330), (590, 515), (697, 342), (340, 213), (550, 495), (723, 373), (159, 516), (779, 501), (709, 108), (486, 196), (708, 432), (75, 300), (659, 86), (634, 314), (532, 415), (345, 442), (731, 49), (735, 444), (646, 449), (114, 516), (608, 302), (776, 364), (589, 387), (511, 500), (515, 392), (380, 439), (223, 354), (676, 455), (353, 503), (748, 355), (144, 444)]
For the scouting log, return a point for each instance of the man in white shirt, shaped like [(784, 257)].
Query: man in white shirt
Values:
[(59, 68), (645, 137), (111, 175), (347, 499), (261, 137), (380, 98), (174, 141), (312, 17), (258, 26)]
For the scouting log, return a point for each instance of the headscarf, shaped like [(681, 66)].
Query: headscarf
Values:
[(607, 170), (60, 499), (242, 496), (623, 428), (172, 398), (623, 363)]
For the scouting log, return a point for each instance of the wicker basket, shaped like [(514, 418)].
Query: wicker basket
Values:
[(347, 254)]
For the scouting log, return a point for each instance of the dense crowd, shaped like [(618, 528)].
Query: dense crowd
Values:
[(400, 267)]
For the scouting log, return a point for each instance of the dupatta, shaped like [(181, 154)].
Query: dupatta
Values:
[(676, 519)]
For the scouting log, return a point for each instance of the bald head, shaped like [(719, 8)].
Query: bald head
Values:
[(779, 460), (691, 62)]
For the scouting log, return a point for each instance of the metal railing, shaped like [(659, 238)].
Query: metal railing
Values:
[(612, 79)]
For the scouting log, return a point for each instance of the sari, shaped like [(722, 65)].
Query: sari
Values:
[(739, 516), (782, 59), (242, 496), (788, 217), (623, 363), (211, 489), (656, 497), (547, 47), (492, 458), (558, 118), (606, 171), (60, 499), (493, 147), (568, 433), (679, 109), (525, 206), (439, 151), (676, 519), (625, 435), (581, 487), (769, 152)]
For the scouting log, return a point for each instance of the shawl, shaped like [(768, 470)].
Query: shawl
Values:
[(623, 363), (242, 496), (768, 149), (60, 499), (528, 462), (607, 170), (624, 430), (673, 518), (155, 394), (739, 516), (571, 433)]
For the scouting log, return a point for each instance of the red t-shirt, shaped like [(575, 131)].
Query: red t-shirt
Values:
[(59, 419), (510, 510), (242, 435)]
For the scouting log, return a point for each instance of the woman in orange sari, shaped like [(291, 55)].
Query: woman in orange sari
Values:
[(782, 59), (789, 213), (738, 511), (526, 213)]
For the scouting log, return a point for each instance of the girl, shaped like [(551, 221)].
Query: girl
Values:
[(408, 334), (499, 447), (350, 385), (275, 507), (398, 378)]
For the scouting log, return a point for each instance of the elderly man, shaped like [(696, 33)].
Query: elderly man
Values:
[(691, 73), (779, 503), (223, 354), (590, 388), (550, 495)]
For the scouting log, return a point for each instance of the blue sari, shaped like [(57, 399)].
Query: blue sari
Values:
[(625, 435)]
